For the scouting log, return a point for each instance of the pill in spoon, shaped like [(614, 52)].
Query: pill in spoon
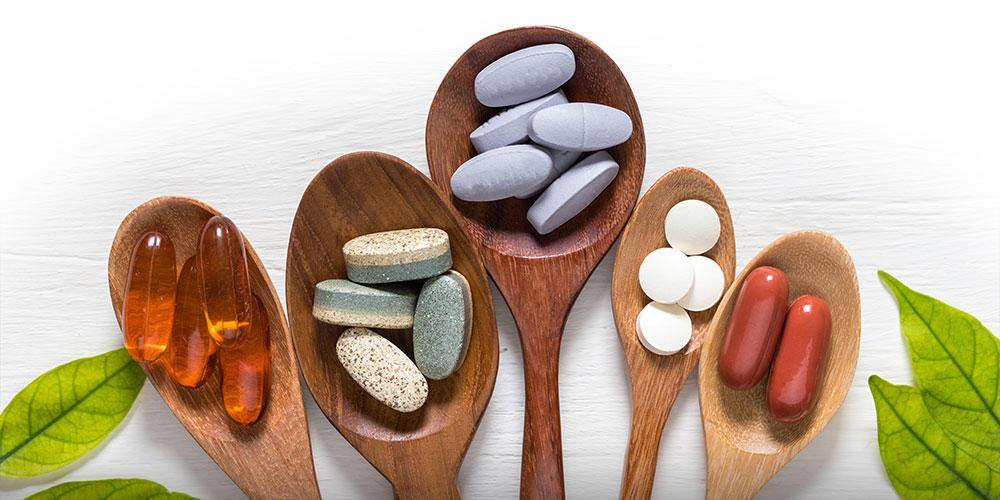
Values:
[(663, 328), (666, 275)]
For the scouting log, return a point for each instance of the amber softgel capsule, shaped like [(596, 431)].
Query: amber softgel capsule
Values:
[(224, 280), (189, 352), (148, 307), (246, 370)]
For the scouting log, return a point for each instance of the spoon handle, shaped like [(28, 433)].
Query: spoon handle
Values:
[(541, 451), (540, 293), (432, 488), (654, 389), (735, 474), (643, 448)]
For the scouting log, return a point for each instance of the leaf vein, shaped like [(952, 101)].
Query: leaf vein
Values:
[(32, 435)]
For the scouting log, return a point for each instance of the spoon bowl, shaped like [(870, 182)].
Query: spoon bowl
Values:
[(656, 380), (418, 452), (540, 276), (745, 446), (271, 458)]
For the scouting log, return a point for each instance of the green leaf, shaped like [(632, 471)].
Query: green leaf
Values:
[(956, 361), (919, 458), (66, 412), (109, 489)]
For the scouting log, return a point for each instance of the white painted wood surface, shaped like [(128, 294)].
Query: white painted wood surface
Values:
[(876, 122)]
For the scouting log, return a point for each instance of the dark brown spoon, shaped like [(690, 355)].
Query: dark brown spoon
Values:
[(418, 452), (539, 276), (271, 458), (657, 380)]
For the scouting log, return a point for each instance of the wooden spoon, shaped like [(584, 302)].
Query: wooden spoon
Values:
[(418, 452), (271, 458), (656, 380), (745, 447), (539, 276)]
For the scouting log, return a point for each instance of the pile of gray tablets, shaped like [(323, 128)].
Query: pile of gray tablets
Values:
[(541, 144), (381, 292)]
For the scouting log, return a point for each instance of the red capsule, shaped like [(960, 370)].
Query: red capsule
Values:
[(148, 306), (246, 370), (798, 366), (754, 328), (224, 279), (189, 355)]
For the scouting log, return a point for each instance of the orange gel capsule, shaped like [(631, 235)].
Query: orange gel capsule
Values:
[(148, 307), (189, 353), (246, 370), (224, 281)]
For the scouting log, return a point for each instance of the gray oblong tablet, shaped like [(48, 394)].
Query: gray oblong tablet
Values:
[(344, 302), (524, 75), (561, 161), (501, 173), (580, 126), (572, 192), (442, 324), (511, 126)]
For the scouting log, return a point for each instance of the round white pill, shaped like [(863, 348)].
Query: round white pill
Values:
[(692, 226), (666, 275), (663, 328), (709, 283)]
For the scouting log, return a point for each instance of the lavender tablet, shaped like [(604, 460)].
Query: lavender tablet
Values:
[(561, 161), (580, 126), (569, 194), (511, 126), (524, 75), (501, 173)]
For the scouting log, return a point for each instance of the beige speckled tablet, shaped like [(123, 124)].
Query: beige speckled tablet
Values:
[(383, 370), (400, 255)]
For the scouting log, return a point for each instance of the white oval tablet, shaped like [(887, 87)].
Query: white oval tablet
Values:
[(663, 328), (692, 226), (709, 283), (666, 275)]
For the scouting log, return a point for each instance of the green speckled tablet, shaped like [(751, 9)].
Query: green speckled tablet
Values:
[(342, 302), (401, 255), (442, 324)]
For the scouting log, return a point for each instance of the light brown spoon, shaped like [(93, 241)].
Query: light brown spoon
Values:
[(539, 276), (656, 380), (745, 447), (418, 452), (271, 458)]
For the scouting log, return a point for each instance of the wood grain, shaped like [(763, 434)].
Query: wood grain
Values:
[(418, 452), (745, 446), (656, 380), (539, 276), (846, 134), (271, 458)]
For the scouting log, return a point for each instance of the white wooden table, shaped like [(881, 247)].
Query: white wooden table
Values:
[(874, 122)]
